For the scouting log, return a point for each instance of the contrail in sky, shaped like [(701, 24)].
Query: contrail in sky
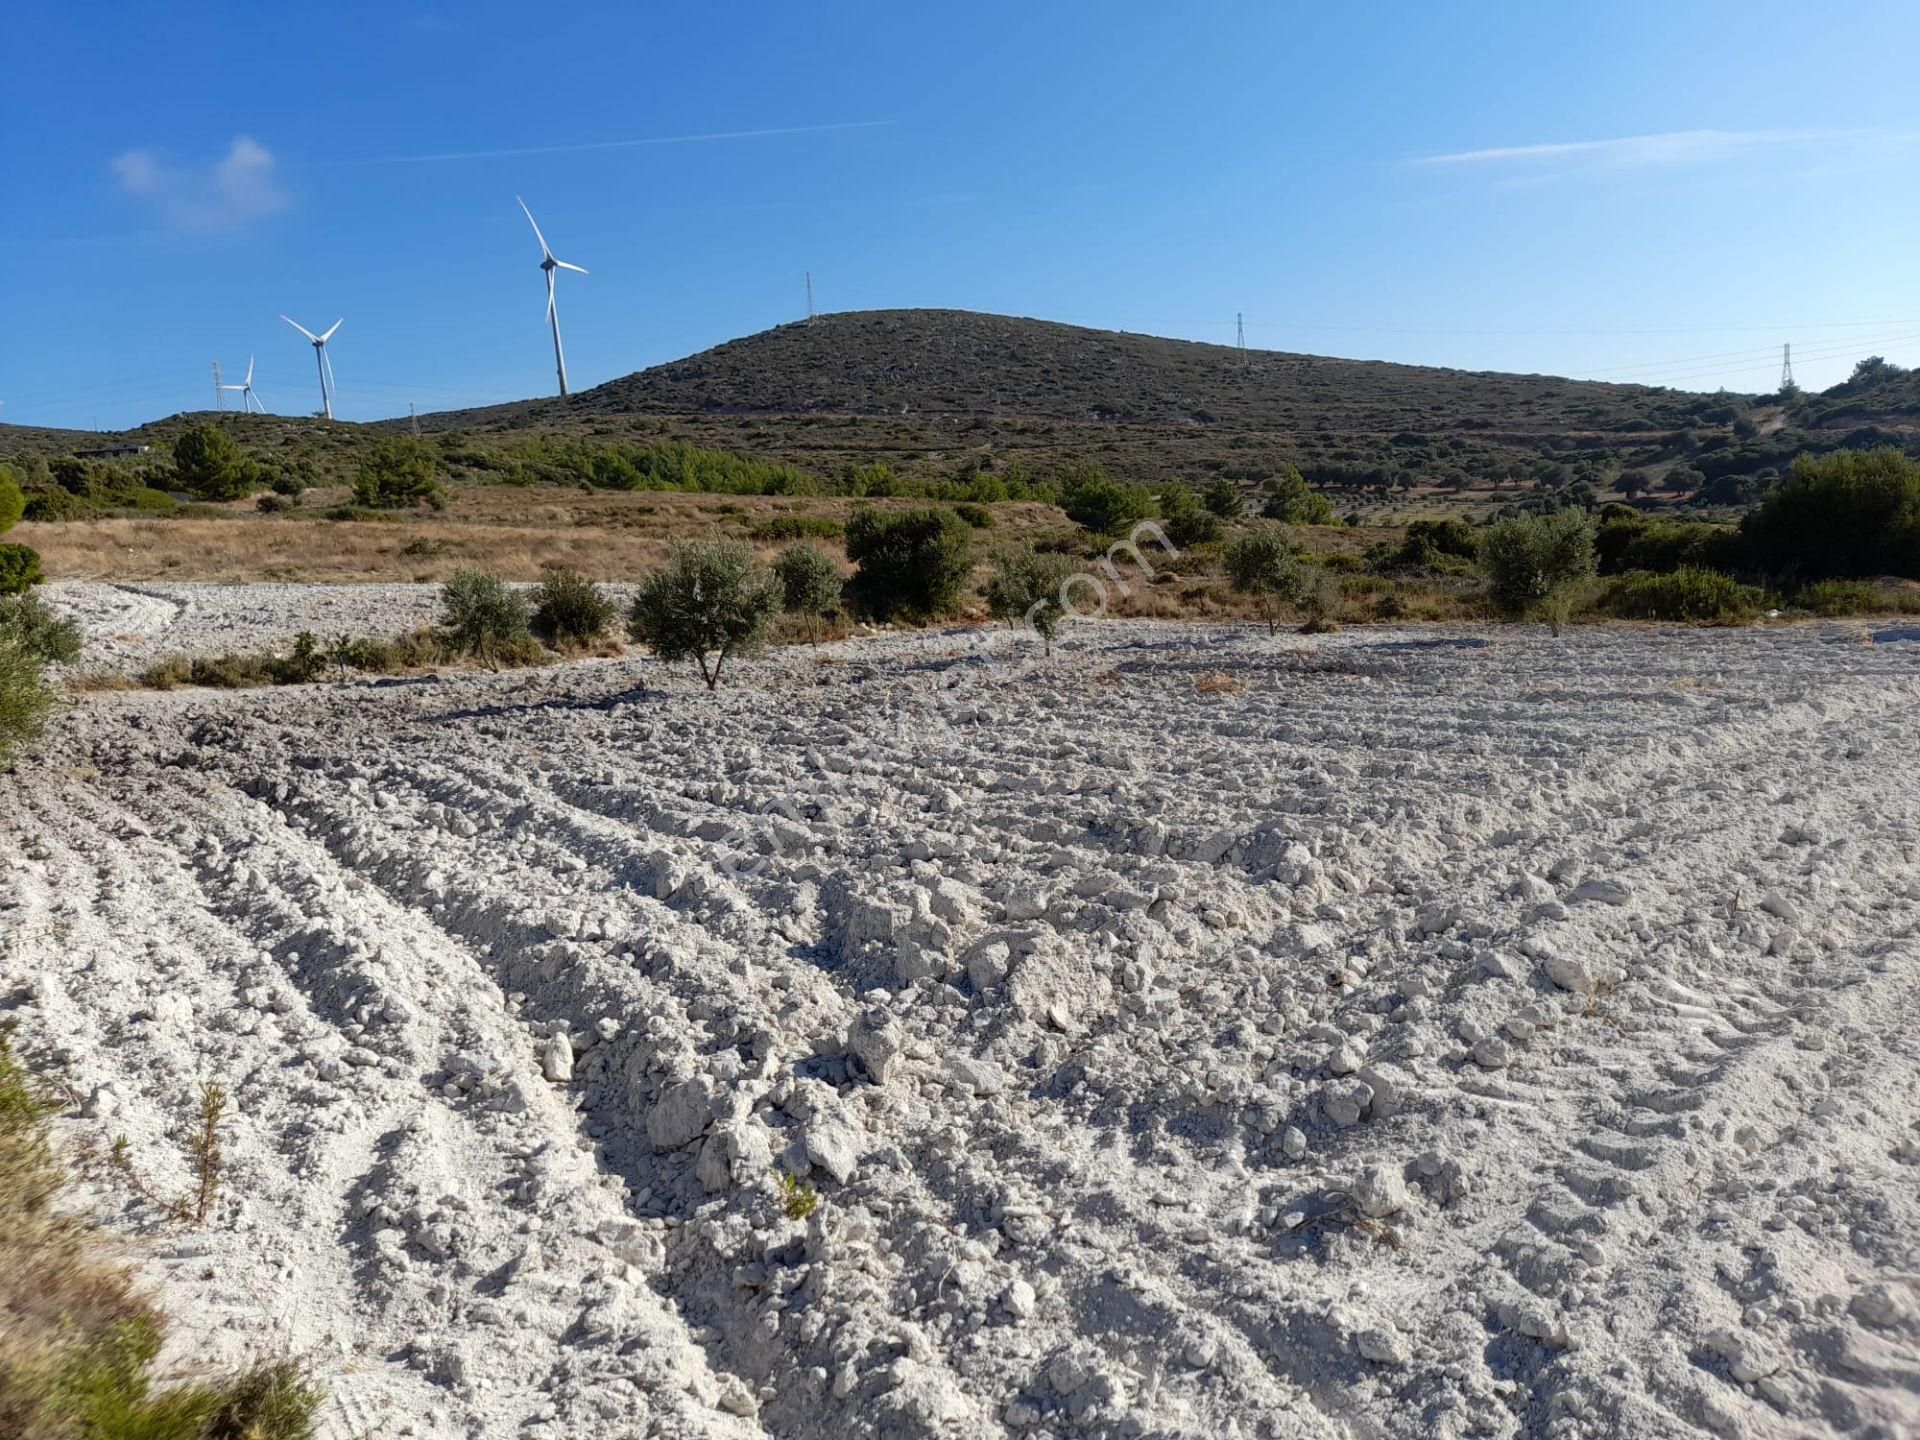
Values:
[(621, 144)]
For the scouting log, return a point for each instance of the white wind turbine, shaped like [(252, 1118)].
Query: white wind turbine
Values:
[(247, 398), (549, 264), (320, 360)]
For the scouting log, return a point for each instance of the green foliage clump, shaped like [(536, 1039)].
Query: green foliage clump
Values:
[(1094, 501), (978, 516), (1532, 562), (1031, 588), (1293, 501), (1265, 565), (56, 639), (19, 568), (13, 504), (1634, 543), (1223, 498), (1845, 514), (484, 617), (911, 564), (1436, 545), (1186, 520), (209, 466), (1833, 598), (569, 609), (399, 471), (810, 584), (26, 700), (795, 527), (712, 599), (1687, 595), (798, 1199)]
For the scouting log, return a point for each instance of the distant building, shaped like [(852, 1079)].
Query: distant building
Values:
[(112, 452)]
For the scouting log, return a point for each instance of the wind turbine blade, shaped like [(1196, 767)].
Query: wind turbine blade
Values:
[(577, 269), (249, 382), (336, 325), (536, 228), (302, 329), (332, 384)]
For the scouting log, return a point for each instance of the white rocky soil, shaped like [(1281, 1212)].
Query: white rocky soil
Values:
[(1448, 1035)]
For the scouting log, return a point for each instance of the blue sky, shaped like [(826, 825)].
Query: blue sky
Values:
[(1632, 191)]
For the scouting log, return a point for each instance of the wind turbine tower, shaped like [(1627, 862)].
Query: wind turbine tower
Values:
[(247, 398), (320, 360), (549, 264)]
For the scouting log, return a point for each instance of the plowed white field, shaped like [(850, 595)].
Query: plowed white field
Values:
[(1443, 1035)]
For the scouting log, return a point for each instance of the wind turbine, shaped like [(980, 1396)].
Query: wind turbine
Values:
[(549, 264), (247, 398), (320, 360)]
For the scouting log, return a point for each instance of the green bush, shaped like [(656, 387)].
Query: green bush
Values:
[(1096, 502), (54, 638), (49, 503), (399, 471), (1292, 500), (1436, 545), (570, 610), (209, 466), (1186, 521), (19, 568), (1223, 498), (910, 564), (1028, 587), (795, 527), (810, 584), (1638, 544), (1846, 514), (13, 504), (978, 516), (711, 599), (25, 698), (484, 617), (1834, 598), (1690, 595), (1265, 565), (1532, 562)]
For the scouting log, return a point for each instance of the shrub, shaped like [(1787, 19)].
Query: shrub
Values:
[(1096, 502), (1697, 595), (399, 471), (1845, 514), (484, 616), (19, 568), (1265, 565), (978, 516), (54, 638), (712, 599), (1832, 598), (569, 609), (911, 564), (13, 504), (1638, 544), (25, 698), (1292, 500), (1030, 588), (810, 584), (1186, 521), (209, 466), (1223, 498), (795, 527), (1436, 545), (1532, 561)]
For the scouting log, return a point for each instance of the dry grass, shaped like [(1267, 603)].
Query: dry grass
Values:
[(1218, 682)]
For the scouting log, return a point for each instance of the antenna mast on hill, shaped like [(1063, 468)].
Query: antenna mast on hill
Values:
[(1239, 330), (413, 420), (809, 297), (1786, 367), (219, 390)]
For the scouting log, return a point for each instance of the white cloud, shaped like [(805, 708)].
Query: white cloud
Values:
[(235, 189), (1675, 147)]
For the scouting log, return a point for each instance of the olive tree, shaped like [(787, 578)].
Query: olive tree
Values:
[(1265, 565), (810, 584), (1030, 588), (712, 599), (1533, 562)]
